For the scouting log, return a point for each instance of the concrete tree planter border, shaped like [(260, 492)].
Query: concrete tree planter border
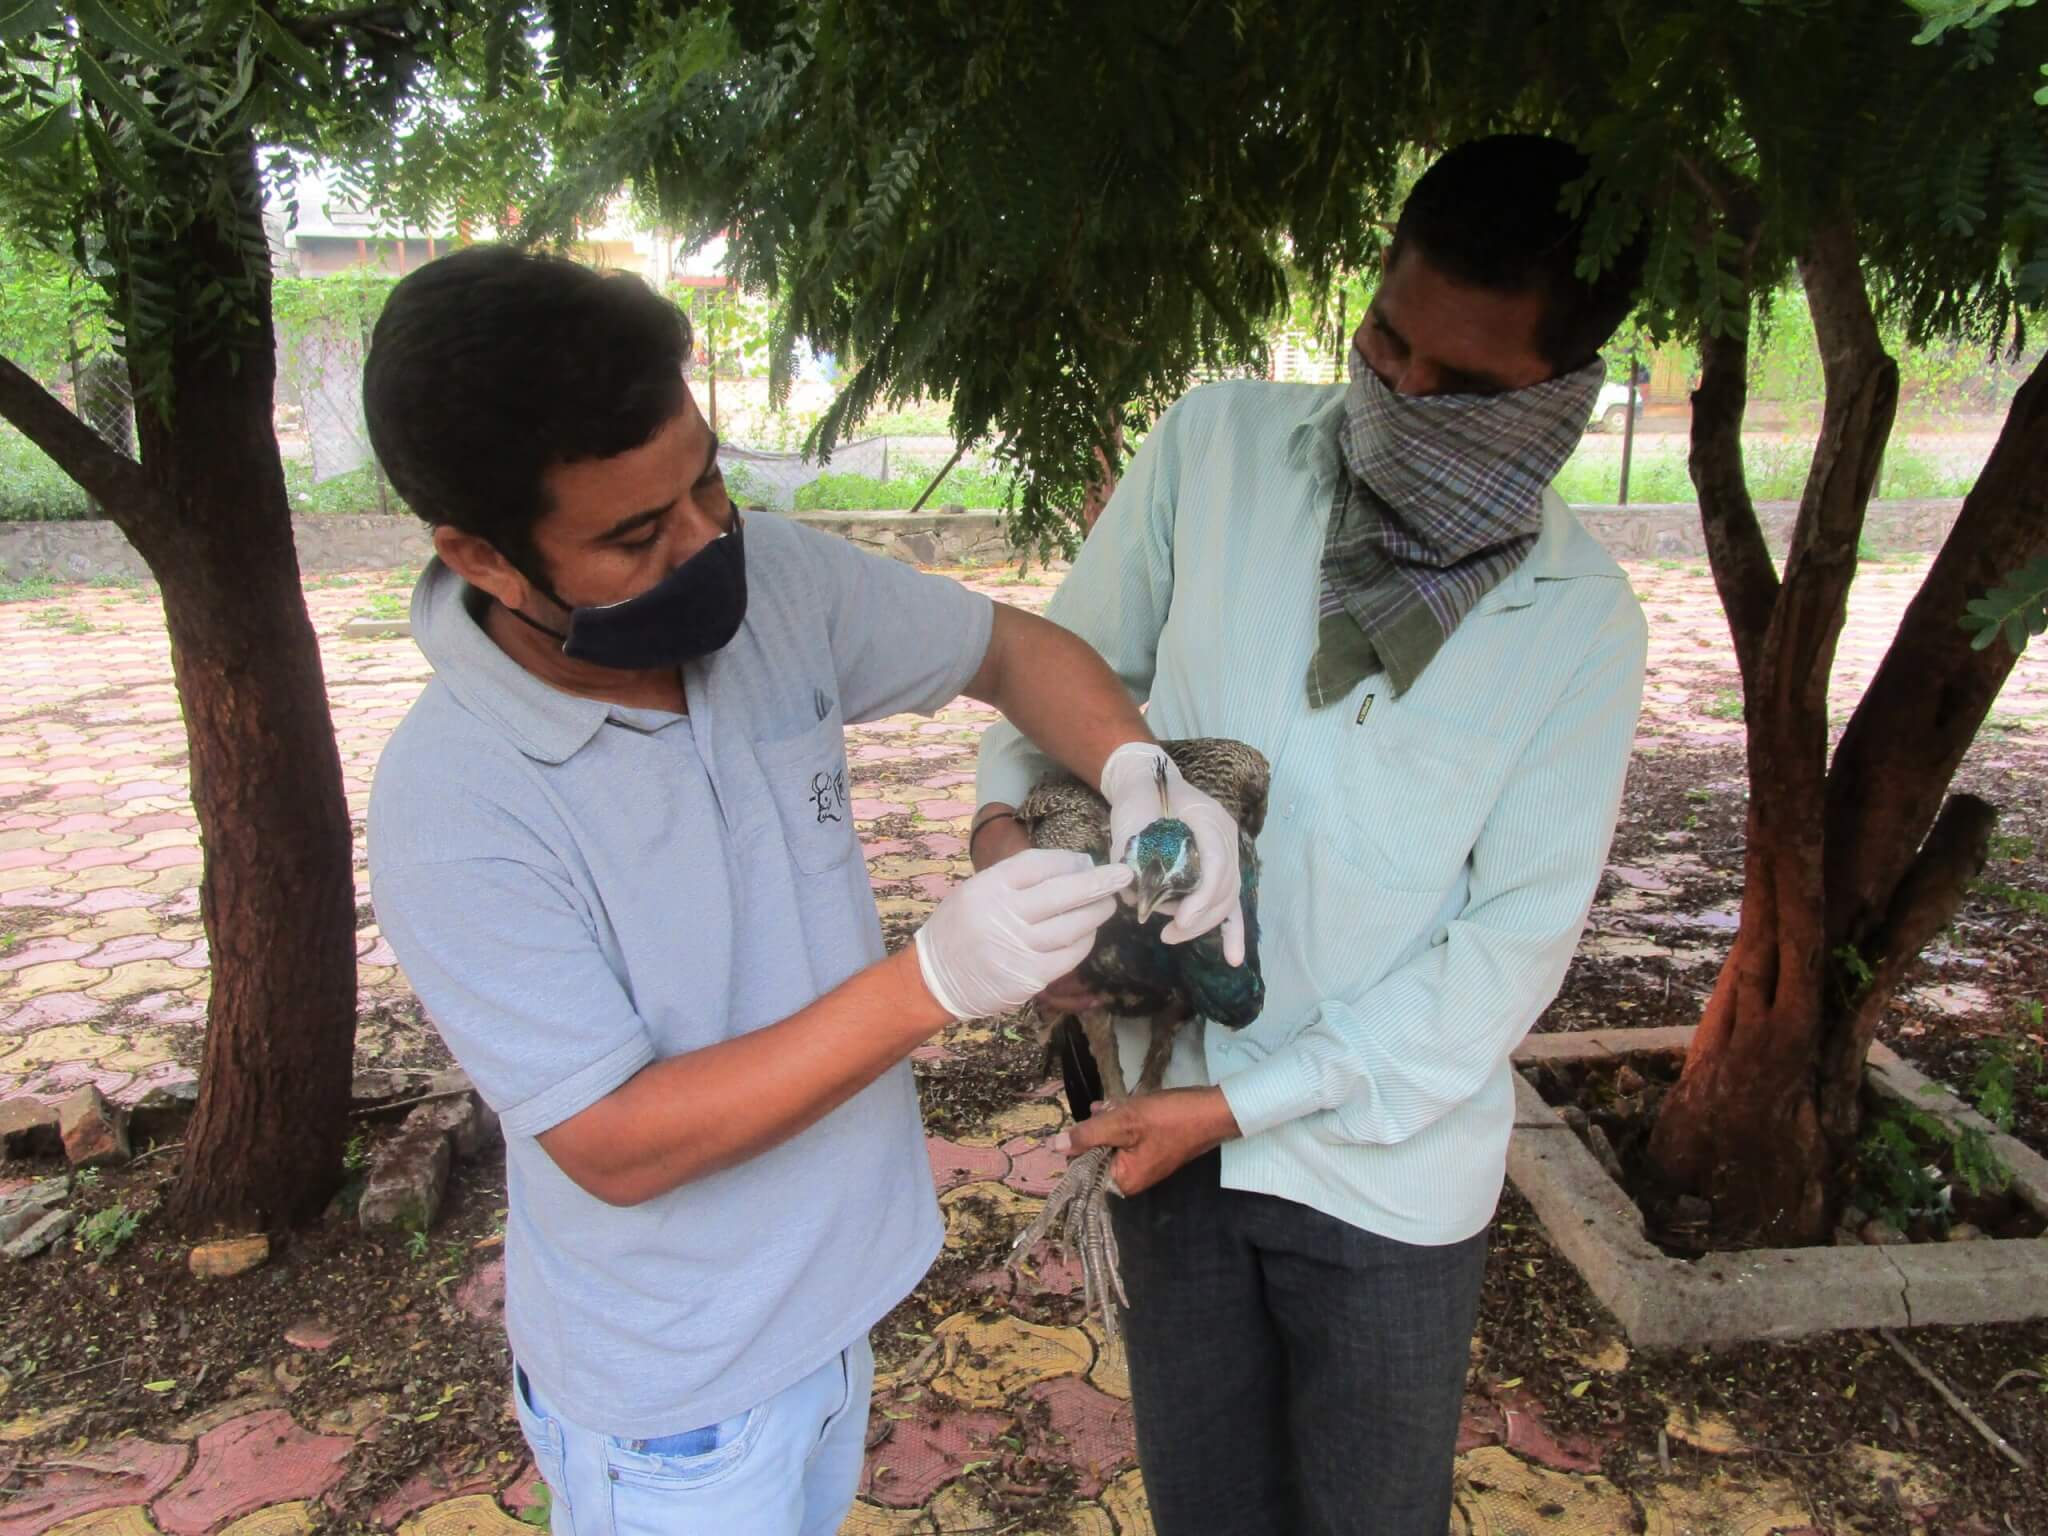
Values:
[(1780, 1293)]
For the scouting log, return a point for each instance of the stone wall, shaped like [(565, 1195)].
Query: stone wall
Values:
[(96, 551)]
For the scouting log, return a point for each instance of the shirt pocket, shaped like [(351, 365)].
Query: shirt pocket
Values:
[(806, 777), (1412, 795)]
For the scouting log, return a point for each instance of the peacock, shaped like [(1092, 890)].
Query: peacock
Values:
[(1140, 976)]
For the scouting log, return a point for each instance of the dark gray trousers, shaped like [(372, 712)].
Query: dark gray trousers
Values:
[(1291, 1374)]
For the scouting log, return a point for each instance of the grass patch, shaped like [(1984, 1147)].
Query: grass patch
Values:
[(861, 493), (1727, 705), (32, 488), (35, 589)]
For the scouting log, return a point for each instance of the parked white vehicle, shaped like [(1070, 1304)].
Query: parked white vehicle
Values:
[(1610, 407)]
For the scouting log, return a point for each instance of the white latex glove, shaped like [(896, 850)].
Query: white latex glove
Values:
[(1130, 783), (1011, 931)]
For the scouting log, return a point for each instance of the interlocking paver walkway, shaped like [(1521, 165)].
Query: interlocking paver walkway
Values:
[(103, 980)]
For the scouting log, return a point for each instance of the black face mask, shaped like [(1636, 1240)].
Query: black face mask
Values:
[(692, 611)]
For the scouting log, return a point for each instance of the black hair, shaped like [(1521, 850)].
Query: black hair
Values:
[(492, 365), (1489, 215)]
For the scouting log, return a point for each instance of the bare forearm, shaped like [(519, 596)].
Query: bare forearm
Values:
[(1053, 687), (692, 1115)]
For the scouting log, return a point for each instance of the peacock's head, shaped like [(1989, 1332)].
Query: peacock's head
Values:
[(1167, 866)]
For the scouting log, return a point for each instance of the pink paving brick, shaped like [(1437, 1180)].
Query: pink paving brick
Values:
[(482, 1295), (244, 1465), (954, 1164), (944, 810), (147, 788), (134, 946), (1034, 1168), (28, 858), (421, 1489), (158, 821), (1101, 1440), (51, 1008), (98, 858), (43, 899), (1528, 1436), (923, 1452), (104, 1477), (114, 898), (42, 952)]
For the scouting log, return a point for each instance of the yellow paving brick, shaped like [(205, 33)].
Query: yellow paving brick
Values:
[(1111, 1372), (1502, 1495), (73, 842), (476, 1515), (1724, 1505), (51, 976), (108, 877), (24, 879), (128, 1520), (140, 1052), (291, 1519), (139, 978), (169, 882), (1128, 1506), (1040, 1117), (61, 1043), (866, 1519), (121, 923), (986, 1362), (978, 1212), (28, 1425)]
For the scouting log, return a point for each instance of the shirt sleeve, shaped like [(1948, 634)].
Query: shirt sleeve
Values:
[(902, 639), (512, 975), (1385, 1065), (1116, 598)]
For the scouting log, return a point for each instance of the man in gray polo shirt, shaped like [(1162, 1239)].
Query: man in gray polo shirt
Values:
[(612, 847)]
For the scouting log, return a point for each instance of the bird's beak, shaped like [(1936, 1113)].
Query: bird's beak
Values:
[(1146, 901)]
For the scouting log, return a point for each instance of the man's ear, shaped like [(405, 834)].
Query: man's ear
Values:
[(478, 562)]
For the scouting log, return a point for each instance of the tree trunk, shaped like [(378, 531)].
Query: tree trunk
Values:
[(208, 511), (278, 899), (1744, 1126), (1849, 875), (1103, 485)]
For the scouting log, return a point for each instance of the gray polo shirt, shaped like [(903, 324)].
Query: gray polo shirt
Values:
[(577, 889)]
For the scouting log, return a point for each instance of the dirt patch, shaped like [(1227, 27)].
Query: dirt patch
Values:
[(134, 1345)]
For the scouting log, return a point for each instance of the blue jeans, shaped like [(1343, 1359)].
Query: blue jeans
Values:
[(787, 1467)]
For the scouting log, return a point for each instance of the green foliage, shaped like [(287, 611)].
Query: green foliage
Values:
[(1057, 217), (1900, 1173), (32, 489), (104, 1233), (863, 493), (138, 139), (2017, 610), (2011, 1072)]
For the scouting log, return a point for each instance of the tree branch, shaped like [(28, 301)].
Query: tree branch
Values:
[(319, 25), (1933, 690), (1741, 561), (1861, 394), (1924, 903), (111, 478)]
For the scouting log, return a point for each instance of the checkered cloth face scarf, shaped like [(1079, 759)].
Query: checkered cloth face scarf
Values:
[(1439, 497)]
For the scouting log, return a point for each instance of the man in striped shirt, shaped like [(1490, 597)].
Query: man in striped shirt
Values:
[(1373, 584)]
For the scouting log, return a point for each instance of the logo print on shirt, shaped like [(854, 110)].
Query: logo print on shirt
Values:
[(828, 794), (1365, 708)]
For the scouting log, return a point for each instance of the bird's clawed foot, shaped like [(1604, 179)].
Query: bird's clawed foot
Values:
[(1079, 1208)]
